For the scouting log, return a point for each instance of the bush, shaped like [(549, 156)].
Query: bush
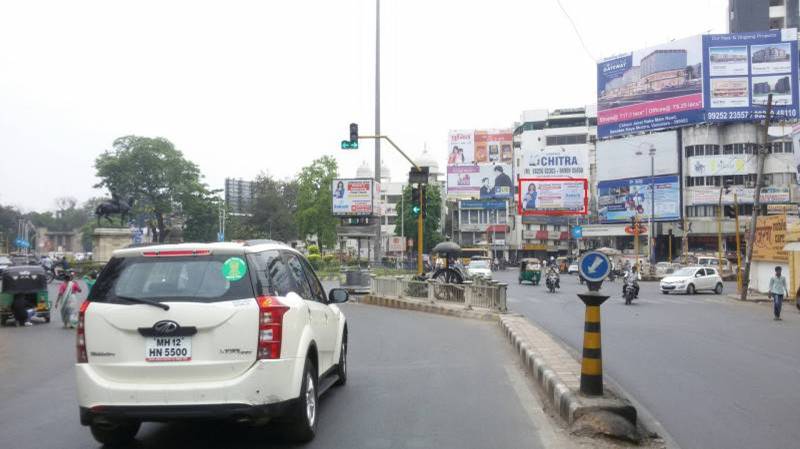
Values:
[(329, 260), (315, 260), (313, 249)]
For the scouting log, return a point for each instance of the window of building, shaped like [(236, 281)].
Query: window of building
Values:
[(391, 220), (776, 23), (464, 216), (776, 147), (788, 147), (775, 2), (567, 139), (473, 217), (727, 149), (566, 122), (542, 227), (592, 121)]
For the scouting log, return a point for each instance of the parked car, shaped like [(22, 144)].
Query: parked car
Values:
[(5, 262), (692, 279), (714, 262), (231, 331), (572, 269)]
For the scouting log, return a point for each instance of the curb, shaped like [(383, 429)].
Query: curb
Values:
[(428, 307), (608, 415)]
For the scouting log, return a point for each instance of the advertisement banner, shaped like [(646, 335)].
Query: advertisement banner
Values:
[(722, 165), (796, 145), (397, 244), (654, 88), (497, 205), (740, 70), (485, 181), (353, 197), (553, 162), (493, 146), (710, 195), (629, 157), (620, 200), (770, 239), (461, 149), (553, 196)]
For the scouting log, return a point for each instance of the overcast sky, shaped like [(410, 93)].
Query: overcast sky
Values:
[(243, 87)]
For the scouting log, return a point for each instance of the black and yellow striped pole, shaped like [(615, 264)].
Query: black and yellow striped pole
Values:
[(592, 361)]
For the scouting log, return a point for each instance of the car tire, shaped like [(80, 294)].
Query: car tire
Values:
[(664, 292), (115, 434), (341, 367), (304, 415), (690, 289), (718, 288)]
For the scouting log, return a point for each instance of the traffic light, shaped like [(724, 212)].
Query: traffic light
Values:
[(416, 208), (730, 212), (351, 144)]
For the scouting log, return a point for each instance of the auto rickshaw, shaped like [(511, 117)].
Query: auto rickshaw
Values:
[(24, 288), (530, 270)]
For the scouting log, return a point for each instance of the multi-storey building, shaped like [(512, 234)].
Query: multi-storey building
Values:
[(239, 196), (760, 15)]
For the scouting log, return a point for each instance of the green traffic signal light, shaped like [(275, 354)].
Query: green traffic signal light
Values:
[(415, 210)]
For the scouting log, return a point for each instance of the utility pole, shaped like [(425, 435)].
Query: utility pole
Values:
[(378, 121), (762, 153), (652, 234), (738, 246), (420, 230)]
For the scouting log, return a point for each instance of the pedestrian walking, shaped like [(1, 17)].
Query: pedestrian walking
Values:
[(777, 290), (68, 301)]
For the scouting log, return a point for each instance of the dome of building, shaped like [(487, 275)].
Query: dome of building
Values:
[(426, 160), (364, 171)]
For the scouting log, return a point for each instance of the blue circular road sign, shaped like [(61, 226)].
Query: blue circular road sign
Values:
[(577, 232), (594, 266)]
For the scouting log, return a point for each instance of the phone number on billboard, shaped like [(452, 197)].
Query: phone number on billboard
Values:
[(743, 115)]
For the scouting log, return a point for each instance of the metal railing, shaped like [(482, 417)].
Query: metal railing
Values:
[(485, 294)]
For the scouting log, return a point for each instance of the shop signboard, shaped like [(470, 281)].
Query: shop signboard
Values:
[(619, 200), (722, 165), (353, 197), (711, 195), (492, 204), (770, 239)]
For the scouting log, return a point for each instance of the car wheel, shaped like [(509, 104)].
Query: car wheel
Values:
[(341, 368), (114, 433), (304, 415), (690, 289), (718, 288)]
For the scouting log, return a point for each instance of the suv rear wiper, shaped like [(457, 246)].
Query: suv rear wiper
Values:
[(144, 301)]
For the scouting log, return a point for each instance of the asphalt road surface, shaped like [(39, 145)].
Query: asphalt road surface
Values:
[(714, 372), (416, 381)]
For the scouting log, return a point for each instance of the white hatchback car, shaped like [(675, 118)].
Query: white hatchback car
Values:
[(692, 279), (241, 332)]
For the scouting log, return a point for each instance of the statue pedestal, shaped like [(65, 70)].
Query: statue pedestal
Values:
[(106, 240)]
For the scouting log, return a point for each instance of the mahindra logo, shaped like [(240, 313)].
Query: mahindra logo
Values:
[(165, 327)]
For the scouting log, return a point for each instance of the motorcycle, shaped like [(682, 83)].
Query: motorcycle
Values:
[(630, 290), (57, 274), (552, 282)]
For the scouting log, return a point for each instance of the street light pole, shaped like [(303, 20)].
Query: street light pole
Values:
[(738, 247), (719, 231), (378, 121), (652, 233)]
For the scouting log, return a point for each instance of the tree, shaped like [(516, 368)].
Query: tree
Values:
[(156, 174), (314, 201), (201, 216), (431, 234), (273, 211)]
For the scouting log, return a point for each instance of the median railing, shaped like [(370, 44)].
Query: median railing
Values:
[(481, 293)]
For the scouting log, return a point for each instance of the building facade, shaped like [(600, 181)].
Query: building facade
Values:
[(239, 196), (760, 15)]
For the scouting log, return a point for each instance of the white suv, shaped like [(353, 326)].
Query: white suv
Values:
[(243, 332)]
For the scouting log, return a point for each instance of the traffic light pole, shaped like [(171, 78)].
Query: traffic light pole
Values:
[(420, 230)]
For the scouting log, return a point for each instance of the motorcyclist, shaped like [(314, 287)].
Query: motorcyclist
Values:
[(631, 279), (552, 273)]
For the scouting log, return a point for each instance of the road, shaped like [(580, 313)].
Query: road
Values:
[(416, 381), (714, 372)]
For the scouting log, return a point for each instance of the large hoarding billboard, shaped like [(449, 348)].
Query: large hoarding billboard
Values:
[(540, 161), (629, 157), (722, 165), (353, 197), (796, 146), (484, 181), (740, 70), (494, 146), (553, 196), (619, 200), (655, 88)]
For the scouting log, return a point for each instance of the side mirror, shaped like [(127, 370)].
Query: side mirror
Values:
[(697, 275), (338, 296)]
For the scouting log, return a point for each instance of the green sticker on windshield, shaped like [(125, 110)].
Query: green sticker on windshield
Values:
[(234, 269)]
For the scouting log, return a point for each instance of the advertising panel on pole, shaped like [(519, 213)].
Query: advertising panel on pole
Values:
[(744, 195), (619, 200), (484, 181), (722, 165), (461, 149), (553, 196), (353, 197), (397, 244), (629, 157), (741, 69), (654, 88)]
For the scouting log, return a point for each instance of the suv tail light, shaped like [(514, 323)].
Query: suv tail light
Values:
[(270, 327), (80, 335)]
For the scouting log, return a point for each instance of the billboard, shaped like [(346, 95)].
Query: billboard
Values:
[(722, 165), (470, 204), (539, 161), (743, 195), (493, 146), (353, 197), (740, 70), (553, 196), (796, 146), (619, 200), (654, 88), (770, 239), (484, 181), (618, 158), (461, 149)]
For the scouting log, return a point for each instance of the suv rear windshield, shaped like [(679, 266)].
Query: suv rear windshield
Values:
[(189, 279)]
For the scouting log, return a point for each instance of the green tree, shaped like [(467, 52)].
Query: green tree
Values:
[(8, 227), (274, 208), (156, 174), (432, 236), (201, 215), (314, 201)]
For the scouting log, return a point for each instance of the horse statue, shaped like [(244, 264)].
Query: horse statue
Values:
[(115, 206)]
